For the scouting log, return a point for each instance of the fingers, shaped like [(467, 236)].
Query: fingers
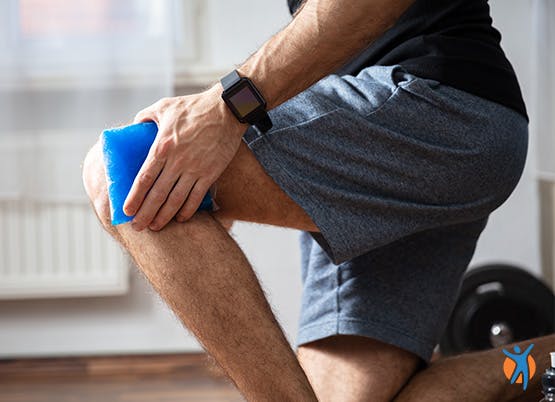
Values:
[(152, 166), (145, 179), (193, 201), (154, 200), (174, 202)]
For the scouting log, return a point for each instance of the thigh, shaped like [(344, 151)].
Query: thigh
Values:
[(246, 192), (375, 158)]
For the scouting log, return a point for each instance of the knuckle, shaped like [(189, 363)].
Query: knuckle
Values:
[(146, 178), (162, 149), (158, 197), (178, 196)]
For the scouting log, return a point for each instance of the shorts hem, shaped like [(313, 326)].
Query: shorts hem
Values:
[(345, 326)]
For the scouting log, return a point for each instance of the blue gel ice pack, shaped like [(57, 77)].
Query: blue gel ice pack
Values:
[(125, 149)]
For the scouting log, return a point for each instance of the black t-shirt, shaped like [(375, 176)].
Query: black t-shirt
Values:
[(450, 41)]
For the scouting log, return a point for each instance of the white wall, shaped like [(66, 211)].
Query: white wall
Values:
[(139, 322), (233, 36), (512, 234)]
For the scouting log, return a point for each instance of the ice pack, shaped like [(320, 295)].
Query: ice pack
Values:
[(125, 150)]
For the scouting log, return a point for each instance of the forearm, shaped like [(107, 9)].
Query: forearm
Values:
[(477, 376), (322, 37)]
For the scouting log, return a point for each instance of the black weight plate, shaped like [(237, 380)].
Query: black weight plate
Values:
[(493, 294)]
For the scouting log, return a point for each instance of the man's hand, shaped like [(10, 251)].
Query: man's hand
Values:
[(197, 138)]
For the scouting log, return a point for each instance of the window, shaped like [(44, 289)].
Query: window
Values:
[(85, 42)]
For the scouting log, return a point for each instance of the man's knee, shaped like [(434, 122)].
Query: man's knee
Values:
[(94, 181), (372, 370)]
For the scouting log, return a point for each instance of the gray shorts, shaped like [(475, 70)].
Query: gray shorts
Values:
[(399, 174)]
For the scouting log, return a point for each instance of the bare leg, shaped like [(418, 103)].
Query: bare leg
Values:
[(353, 368), (363, 368), (204, 277), (347, 368), (477, 377), (340, 368)]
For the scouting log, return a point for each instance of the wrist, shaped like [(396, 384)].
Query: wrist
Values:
[(245, 101), (226, 117)]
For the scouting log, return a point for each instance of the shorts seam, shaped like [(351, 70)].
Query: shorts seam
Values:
[(383, 103), (337, 297), (423, 341), (373, 323), (319, 324)]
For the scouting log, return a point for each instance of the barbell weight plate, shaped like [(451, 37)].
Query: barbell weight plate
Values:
[(493, 295)]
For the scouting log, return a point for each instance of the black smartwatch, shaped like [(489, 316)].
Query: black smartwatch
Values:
[(245, 101)]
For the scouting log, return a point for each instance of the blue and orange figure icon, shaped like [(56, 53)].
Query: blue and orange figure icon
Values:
[(519, 367)]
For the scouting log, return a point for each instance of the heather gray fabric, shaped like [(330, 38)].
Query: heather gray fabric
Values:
[(399, 174)]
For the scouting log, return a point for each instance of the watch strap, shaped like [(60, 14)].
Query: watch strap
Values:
[(231, 79), (261, 120)]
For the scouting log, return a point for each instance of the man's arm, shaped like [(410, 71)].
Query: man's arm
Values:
[(323, 36), (198, 136)]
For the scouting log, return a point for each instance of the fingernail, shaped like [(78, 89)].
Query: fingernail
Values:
[(153, 227)]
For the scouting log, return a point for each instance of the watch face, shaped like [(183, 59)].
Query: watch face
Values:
[(245, 101)]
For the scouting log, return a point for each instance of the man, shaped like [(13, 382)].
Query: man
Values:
[(390, 171)]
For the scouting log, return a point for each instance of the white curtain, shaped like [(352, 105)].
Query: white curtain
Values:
[(544, 78), (69, 69)]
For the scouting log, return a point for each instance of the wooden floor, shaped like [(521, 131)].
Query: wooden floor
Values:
[(160, 378)]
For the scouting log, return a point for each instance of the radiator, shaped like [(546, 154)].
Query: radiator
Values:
[(57, 250)]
